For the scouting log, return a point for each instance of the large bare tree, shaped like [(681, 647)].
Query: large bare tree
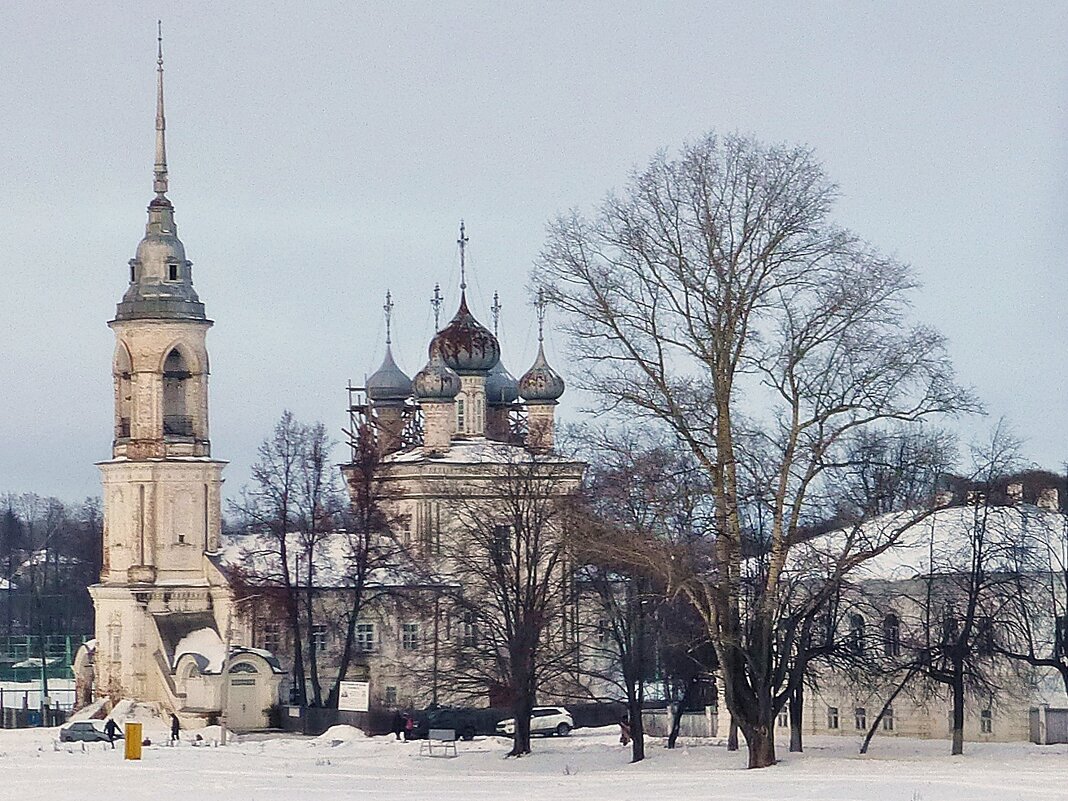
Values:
[(715, 295)]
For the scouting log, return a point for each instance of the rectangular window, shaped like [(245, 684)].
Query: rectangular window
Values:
[(391, 696), (460, 415), (318, 637), (270, 635), (986, 721), (469, 635), (888, 719), (365, 637), (860, 715), (784, 719), (172, 272), (832, 717), (410, 636)]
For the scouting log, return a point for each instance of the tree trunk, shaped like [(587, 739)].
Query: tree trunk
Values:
[(882, 712), (524, 703), (680, 707), (797, 707), (637, 730), (958, 710), (760, 740), (732, 735)]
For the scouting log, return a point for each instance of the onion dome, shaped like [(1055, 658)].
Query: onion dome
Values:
[(437, 381), (388, 382), (541, 384), (501, 387), (465, 344)]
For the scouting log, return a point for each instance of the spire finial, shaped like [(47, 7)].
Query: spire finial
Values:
[(159, 182), (388, 309), (495, 309), (462, 242), (436, 300), (540, 305)]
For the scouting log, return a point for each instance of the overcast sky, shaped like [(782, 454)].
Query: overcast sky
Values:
[(322, 153)]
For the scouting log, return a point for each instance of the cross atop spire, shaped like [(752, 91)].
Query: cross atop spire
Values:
[(462, 242), (388, 309), (540, 305), (435, 301), (495, 310), (159, 181)]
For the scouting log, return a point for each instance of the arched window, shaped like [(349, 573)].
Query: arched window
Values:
[(892, 635), (177, 421), (243, 667), (123, 391)]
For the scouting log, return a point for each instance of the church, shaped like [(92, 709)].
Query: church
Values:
[(170, 628)]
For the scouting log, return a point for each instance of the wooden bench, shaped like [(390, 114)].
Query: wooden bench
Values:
[(438, 742)]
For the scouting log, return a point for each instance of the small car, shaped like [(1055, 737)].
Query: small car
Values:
[(86, 731), (543, 720), (460, 720)]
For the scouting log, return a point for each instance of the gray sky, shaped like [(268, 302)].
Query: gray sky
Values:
[(322, 153)]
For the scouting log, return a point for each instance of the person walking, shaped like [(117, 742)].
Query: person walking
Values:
[(175, 728), (409, 725), (111, 729), (624, 730), (398, 725)]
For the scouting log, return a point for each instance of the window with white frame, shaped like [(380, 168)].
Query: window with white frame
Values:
[(986, 721), (860, 718), (365, 637), (318, 637), (855, 643), (832, 717), (391, 695), (784, 719), (888, 719), (409, 636)]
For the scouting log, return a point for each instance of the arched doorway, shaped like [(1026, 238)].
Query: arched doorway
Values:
[(245, 698)]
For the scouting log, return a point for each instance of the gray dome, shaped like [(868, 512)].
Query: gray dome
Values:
[(541, 384), (501, 387), (437, 381), (388, 382), (466, 345)]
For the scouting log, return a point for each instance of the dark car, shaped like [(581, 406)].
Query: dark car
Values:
[(86, 731), (463, 721)]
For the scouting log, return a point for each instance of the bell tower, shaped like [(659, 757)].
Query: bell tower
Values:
[(162, 489)]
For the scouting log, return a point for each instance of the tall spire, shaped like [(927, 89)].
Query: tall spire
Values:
[(495, 310), (388, 309), (462, 242), (159, 181)]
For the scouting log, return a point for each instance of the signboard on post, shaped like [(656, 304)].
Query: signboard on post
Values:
[(354, 696)]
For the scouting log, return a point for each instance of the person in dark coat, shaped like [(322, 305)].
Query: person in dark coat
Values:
[(175, 728), (398, 724), (624, 730), (409, 725), (111, 729)]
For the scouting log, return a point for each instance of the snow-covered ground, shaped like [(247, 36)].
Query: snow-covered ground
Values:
[(588, 766)]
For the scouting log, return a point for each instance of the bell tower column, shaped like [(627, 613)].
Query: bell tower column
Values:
[(161, 488)]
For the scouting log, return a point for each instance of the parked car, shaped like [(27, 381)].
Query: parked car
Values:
[(463, 721), (85, 731), (543, 720)]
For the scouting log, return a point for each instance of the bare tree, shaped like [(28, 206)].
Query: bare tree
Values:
[(503, 565), (269, 509), (715, 296)]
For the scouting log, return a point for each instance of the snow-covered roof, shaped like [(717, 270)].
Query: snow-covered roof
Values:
[(477, 450), (922, 545), (207, 645)]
